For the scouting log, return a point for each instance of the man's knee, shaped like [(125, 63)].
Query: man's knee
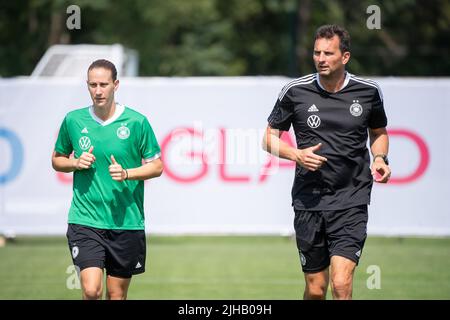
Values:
[(316, 285), (341, 282), (342, 277), (116, 294), (342, 287), (92, 293), (117, 288), (315, 292), (91, 282)]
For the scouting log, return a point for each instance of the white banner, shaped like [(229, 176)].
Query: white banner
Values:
[(217, 179)]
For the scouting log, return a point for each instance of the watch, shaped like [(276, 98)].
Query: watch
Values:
[(382, 156)]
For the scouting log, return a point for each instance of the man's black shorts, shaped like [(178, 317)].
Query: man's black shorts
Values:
[(323, 234), (120, 252)]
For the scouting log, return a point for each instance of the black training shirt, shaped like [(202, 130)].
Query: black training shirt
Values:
[(339, 121)]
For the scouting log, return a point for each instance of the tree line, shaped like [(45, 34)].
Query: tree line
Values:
[(233, 37)]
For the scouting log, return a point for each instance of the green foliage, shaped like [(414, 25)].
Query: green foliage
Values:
[(231, 38)]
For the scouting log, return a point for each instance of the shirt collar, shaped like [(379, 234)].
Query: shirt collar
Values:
[(346, 80), (117, 113)]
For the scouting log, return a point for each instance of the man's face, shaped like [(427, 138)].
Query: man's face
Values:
[(328, 58), (101, 86)]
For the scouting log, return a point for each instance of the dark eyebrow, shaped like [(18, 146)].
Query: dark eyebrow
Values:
[(323, 51), (100, 83)]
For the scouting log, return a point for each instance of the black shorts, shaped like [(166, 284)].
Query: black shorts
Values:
[(121, 252), (323, 234)]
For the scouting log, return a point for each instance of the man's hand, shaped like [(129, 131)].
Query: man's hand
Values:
[(308, 159), (86, 160), (380, 171), (116, 171)]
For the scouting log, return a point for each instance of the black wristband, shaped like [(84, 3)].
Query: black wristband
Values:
[(382, 156), (126, 171)]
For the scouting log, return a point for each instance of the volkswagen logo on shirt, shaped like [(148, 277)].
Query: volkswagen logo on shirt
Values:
[(313, 121), (84, 143)]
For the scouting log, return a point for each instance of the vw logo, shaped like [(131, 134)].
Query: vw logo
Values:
[(313, 121), (84, 143)]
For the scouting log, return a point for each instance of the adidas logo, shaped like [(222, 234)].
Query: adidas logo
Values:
[(313, 108), (85, 130), (138, 265), (358, 253)]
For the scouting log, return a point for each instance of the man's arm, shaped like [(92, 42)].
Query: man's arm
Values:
[(304, 157), (148, 170), (63, 162), (379, 145)]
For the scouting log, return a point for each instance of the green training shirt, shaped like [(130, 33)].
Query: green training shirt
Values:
[(98, 200)]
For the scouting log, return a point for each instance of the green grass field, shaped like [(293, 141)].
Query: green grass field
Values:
[(230, 268)]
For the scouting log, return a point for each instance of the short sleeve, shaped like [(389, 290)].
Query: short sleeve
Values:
[(281, 116), (63, 144), (378, 117), (149, 147)]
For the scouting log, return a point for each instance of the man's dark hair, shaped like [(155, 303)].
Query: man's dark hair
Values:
[(331, 30), (103, 63)]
